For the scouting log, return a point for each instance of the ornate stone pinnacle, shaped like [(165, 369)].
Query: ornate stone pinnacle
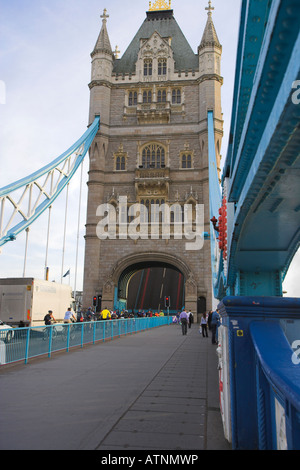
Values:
[(209, 8), (160, 5), (104, 16)]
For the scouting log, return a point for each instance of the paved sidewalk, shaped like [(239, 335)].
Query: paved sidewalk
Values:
[(155, 390)]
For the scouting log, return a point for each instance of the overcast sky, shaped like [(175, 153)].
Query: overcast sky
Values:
[(45, 67)]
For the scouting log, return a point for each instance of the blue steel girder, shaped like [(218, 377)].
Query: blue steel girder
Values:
[(23, 201), (262, 168), (214, 201), (262, 79), (254, 16)]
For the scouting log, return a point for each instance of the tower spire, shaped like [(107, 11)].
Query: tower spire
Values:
[(210, 36), (103, 42)]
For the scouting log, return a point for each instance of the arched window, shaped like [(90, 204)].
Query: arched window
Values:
[(161, 96), (186, 160), (176, 96), (152, 210), (153, 156), (147, 97), (120, 163), (147, 67), (132, 98), (162, 66)]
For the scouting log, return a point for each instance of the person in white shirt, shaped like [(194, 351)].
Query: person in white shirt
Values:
[(204, 325), (68, 316)]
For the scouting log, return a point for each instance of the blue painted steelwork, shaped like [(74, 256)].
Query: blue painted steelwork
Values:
[(261, 183), (214, 201), (37, 341), (263, 374), (262, 168), (80, 149)]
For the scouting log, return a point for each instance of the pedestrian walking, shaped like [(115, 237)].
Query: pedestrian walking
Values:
[(191, 318), (215, 321), (183, 317), (209, 319), (204, 325)]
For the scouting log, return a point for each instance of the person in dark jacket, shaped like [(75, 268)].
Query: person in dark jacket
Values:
[(215, 321), (209, 319)]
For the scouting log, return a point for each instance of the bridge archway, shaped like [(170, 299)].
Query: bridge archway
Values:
[(126, 268)]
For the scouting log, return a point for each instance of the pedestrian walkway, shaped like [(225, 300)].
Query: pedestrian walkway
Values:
[(155, 390)]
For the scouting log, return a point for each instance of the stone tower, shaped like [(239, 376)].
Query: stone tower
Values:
[(152, 148)]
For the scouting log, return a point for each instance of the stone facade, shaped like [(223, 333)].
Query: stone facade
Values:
[(152, 146)]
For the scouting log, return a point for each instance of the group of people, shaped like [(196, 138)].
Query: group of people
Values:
[(69, 317), (105, 314), (210, 321)]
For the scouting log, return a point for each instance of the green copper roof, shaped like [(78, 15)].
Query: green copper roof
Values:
[(165, 24)]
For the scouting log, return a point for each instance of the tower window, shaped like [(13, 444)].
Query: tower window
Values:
[(132, 98), (120, 163), (147, 97), (153, 156), (150, 210), (162, 66), (147, 67), (186, 160), (161, 96), (176, 96)]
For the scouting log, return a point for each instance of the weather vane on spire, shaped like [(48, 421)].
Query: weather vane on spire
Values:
[(209, 8)]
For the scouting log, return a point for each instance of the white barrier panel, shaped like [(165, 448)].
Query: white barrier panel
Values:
[(2, 353), (280, 421), (224, 381)]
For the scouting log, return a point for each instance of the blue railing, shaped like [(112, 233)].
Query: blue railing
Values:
[(22, 344)]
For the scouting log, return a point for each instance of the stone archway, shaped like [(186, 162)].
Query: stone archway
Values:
[(123, 270)]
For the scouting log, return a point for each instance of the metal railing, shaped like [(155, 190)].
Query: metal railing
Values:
[(22, 344)]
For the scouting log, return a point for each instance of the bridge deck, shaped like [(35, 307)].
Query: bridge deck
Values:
[(156, 390)]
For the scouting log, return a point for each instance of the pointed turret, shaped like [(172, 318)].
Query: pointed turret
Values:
[(210, 37), (103, 42), (210, 53), (102, 66)]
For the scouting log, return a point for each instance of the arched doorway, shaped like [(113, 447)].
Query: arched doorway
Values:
[(149, 284), (143, 281), (201, 305)]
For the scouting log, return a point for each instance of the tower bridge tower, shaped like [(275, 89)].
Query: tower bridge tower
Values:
[(152, 147)]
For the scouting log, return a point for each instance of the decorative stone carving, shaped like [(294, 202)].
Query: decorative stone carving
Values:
[(191, 286), (108, 287)]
